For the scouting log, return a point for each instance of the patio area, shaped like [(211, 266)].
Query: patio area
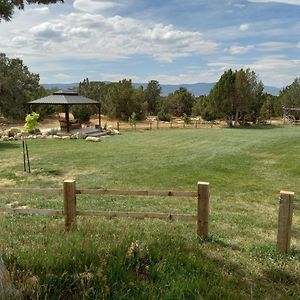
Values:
[(88, 131)]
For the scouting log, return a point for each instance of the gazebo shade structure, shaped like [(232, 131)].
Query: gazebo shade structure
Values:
[(66, 99)]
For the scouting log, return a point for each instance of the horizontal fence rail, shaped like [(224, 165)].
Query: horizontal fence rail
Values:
[(135, 193), (32, 190), (70, 211)]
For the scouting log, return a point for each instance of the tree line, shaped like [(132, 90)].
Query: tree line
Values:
[(238, 97)]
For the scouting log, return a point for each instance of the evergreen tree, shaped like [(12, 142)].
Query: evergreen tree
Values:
[(153, 91), (122, 100), (180, 102), (17, 87), (7, 6)]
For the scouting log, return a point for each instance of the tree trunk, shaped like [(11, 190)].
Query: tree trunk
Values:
[(7, 289)]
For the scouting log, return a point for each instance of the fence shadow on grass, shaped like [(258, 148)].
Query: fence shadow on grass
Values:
[(8, 145), (258, 127)]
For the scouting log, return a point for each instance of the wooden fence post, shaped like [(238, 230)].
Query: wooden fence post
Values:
[(70, 204), (118, 126), (203, 209), (285, 221), (157, 124)]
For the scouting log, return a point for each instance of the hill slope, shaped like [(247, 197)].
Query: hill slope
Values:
[(196, 88)]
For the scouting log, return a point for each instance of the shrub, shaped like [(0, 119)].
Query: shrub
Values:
[(187, 119), (31, 122), (132, 119), (82, 112), (164, 116)]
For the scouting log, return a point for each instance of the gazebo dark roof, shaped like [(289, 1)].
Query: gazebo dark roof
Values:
[(64, 98)]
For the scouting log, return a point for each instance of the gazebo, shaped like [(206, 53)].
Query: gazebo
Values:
[(291, 115), (67, 98)]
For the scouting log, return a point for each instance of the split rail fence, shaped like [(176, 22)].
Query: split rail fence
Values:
[(285, 221), (70, 192), (70, 211)]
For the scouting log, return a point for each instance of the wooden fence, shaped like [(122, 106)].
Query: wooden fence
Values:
[(155, 125), (70, 211), (285, 221)]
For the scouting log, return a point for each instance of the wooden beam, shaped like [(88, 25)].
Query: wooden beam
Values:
[(203, 209), (67, 117), (130, 214), (31, 190), (136, 193), (296, 234), (99, 114), (285, 217), (296, 206), (70, 204), (32, 211)]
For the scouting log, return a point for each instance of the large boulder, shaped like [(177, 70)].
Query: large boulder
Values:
[(13, 131)]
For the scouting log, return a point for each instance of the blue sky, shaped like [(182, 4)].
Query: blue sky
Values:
[(171, 41)]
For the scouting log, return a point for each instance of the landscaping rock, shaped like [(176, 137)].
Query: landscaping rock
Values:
[(25, 134), (80, 135), (13, 131), (93, 139), (66, 137), (18, 136), (56, 137), (5, 138)]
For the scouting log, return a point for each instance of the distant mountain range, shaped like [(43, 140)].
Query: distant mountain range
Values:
[(195, 88)]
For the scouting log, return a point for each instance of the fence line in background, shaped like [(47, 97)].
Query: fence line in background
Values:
[(285, 221), (70, 212), (164, 124)]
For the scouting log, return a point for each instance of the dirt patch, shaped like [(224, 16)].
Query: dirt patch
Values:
[(7, 182)]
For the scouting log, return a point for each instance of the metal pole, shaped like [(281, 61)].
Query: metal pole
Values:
[(28, 162), (99, 111), (24, 158), (67, 117)]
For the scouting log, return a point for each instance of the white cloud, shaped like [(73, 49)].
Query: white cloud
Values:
[(94, 5), (275, 71), (87, 36), (298, 46), (62, 77), (239, 49), (39, 10), (115, 77), (203, 75), (274, 46), (291, 2), (244, 27)]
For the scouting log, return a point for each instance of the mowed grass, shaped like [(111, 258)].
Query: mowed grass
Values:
[(155, 259)]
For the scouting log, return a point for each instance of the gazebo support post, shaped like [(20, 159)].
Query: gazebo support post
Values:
[(67, 117), (99, 114)]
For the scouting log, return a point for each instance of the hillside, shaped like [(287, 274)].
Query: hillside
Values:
[(196, 88)]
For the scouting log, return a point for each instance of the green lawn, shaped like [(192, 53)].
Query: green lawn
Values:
[(246, 169)]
